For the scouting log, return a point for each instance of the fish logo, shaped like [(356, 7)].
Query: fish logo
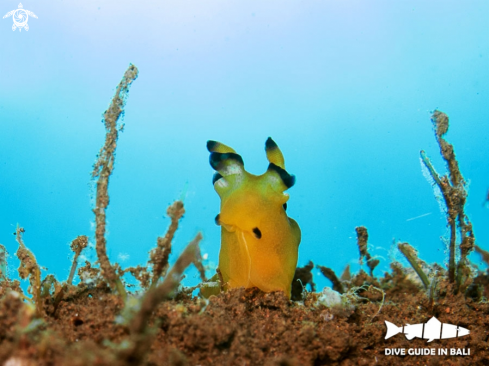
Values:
[(20, 16), (432, 329)]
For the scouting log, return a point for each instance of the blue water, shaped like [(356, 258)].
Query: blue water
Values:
[(345, 88)]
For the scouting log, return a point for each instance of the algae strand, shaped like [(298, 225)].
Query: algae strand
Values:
[(346, 275), (331, 275), (221, 279), (29, 268), (483, 253), (88, 273), (302, 277), (141, 274), (362, 239), (77, 245), (159, 256), (103, 169), (412, 257), (452, 187), (3, 263), (46, 285)]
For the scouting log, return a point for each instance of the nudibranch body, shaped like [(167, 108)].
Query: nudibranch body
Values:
[(259, 242)]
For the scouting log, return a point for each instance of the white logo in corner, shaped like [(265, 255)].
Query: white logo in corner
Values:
[(432, 329), (20, 16)]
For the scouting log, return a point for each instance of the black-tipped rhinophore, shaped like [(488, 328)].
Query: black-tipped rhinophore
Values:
[(216, 146), (270, 144), (274, 155), (211, 144), (216, 177), (288, 179), (216, 159)]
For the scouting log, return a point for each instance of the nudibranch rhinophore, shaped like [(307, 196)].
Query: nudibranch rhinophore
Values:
[(259, 242)]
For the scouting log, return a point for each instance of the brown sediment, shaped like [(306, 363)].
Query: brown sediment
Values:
[(243, 326), (102, 170)]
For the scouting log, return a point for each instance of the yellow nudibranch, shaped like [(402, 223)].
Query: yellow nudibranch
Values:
[(259, 242)]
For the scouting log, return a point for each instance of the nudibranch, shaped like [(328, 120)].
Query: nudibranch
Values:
[(259, 242)]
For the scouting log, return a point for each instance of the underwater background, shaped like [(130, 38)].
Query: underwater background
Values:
[(345, 88)]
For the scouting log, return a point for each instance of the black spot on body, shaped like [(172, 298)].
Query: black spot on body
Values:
[(285, 206), (217, 220), (257, 233)]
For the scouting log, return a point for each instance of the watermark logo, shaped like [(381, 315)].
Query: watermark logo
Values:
[(432, 329), (20, 16)]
